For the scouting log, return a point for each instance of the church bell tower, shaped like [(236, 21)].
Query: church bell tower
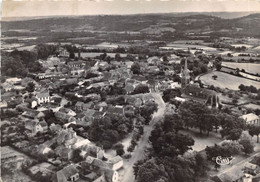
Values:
[(185, 76)]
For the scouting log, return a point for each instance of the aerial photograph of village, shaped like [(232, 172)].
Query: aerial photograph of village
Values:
[(139, 93)]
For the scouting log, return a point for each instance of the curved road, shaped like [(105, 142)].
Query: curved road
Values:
[(139, 151)]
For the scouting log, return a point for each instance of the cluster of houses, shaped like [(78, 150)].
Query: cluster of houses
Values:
[(245, 172)]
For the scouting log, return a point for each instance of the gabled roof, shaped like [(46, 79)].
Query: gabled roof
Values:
[(67, 172), (251, 166), (233, 174), (115, 159), (42, 94), (250, 117), (43, 124), (115, 110), (139, 78), (30, 124)]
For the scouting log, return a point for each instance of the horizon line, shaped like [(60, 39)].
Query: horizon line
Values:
[(127, 14)]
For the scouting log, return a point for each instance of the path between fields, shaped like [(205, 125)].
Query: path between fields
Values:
[(139, 151)]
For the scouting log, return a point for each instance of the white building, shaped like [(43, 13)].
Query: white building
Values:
[(251, 119)]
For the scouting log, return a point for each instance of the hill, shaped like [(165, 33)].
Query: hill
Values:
[(161, 26)]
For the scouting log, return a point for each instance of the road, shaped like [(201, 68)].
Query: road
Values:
[(239, 164), (139, 151)]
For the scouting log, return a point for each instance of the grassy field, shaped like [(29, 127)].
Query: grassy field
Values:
[(186, 46), (225, 80), (94, 54), (248, 67)]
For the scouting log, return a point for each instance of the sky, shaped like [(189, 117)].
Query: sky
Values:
[(21, 8)]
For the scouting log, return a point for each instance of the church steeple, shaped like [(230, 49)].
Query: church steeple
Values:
[(185, 76)]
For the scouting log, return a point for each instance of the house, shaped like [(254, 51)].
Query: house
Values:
[(93, 151), (7, 86), (13, 80), (88, 115), (99, 115), (252, 169), (77, 72), (153, 69), (64, 152), (64, 117), (3, 104), (129, 109), (67, 111), (76, 64), (32, 114), (116, 162), (153, 85), (209, 97), (116, 110), (93, 97), (56, 128), (98, 171), (81, 143), (180, 99), (129, 88), (43, 97), (234, 174), (68, 174), (148, 98), (139, 79), (153, 60), (135, 101), (35, 126), (67, 137), (33, 102), (251, 119), (129, 64)]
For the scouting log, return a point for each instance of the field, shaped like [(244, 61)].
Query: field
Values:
[(94, 54), (186, 46), (225, 80), (240, 45), (248, 67)]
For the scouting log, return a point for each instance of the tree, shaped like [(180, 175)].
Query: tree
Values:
[(214, 77), (217, 62), (141, 89), (149, 172), (201, 166), (169, 143), (165, 59), (147, 110), (117, 57), (247, 142), (135, 68), (216, 150), (72, 55), (169, 94), (130, 148), (137, 166), (12, 66), (233, 147), (254, 130), (76, 155), (119, 149), (172, 122), (231, 126), (30, 87), (234, 134), (242, 87)]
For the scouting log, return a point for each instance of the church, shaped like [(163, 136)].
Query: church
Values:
[(195, 92)]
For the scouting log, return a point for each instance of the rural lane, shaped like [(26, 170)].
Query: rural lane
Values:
[(139, 151)]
